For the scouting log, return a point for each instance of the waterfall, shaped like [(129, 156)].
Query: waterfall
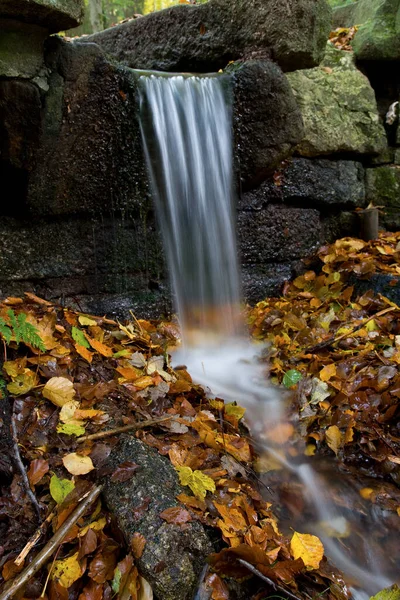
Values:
[(187, 132), (186, 129)]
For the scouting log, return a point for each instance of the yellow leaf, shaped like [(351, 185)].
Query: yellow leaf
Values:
[(307, 547), (67, 571), (333, 438), (197, 481), (83, 320), (95, 525), (143, 382), (366, 493), (59, 390), (23, 383), (68, 410), (235, 410), (77, 464), (327, 372)]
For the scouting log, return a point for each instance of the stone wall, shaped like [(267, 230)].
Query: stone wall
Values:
[(77, 224)]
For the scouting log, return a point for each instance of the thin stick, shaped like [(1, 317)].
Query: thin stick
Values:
[(21, 468), (333, 339), (36, 536), (117, 430), (51, 546), (274, 585)]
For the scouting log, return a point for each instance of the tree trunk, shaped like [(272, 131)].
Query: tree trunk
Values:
[(95, 11)]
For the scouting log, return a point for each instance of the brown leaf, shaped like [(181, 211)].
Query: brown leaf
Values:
[(103, 564), (124, 471), (37, 469), (138, 543), (88, 543), (138, 511), (57, 591), (176, 515), (92, 591), (219, 589)]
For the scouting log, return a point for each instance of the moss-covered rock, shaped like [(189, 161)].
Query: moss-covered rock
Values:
[(378, 36), (383, 189), (338, 107), (21, 48)]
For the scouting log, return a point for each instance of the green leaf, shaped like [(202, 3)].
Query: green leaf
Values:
[(121, 353), (79, 337), (28, 333), (390, 593), (70, 429), (116, 582), (235, 410), (60, 488), (291, 378)]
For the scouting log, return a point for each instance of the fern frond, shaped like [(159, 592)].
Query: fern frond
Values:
[(5, 331), (28, 333)]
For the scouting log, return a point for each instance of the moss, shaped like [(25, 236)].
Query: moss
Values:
[(383, 189)]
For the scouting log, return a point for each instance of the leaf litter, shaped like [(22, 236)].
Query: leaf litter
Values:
[(338, 355)]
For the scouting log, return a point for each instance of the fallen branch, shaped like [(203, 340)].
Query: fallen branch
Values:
[(117, 430), (333, 339), (20, 466), (33, 540), (40, 560), (275, 586)]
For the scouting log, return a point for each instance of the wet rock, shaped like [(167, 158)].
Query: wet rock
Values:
[(339, 109), (54, 15), (89, 156), (380, 283), (173, 556), (278, 234), (383, 189), (267, 121), (206, 37), (321, 183), (264, 281)]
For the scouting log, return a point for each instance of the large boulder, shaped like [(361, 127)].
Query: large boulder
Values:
[(267, 120), (53, 15), (319, 183), (383, 189), (21, 48), (378, 35), (339, 109), (173, 555), (206, 37)]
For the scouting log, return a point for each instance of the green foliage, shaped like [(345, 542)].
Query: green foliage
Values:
[(79, 337), (291, 378), (19, 329)]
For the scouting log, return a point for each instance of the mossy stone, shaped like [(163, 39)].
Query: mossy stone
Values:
[(383, 189)]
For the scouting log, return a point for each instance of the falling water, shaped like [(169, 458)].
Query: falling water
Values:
[(186, 129)]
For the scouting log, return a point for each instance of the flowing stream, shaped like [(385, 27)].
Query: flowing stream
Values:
[(187, 136)]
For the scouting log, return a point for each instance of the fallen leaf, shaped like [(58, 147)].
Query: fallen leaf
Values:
[(60, 488), (59, 390), (235, 410), (333, 438), (86, 321), (67, 570), (37, 469), (307, 547), (124, 471), (138, 543), (197, 481), (176, 515), (77, 464)]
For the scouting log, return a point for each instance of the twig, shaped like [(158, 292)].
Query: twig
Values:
[(117, 430), (32, 541), (20, 466), (51, 546), (333, 339), (274, 585)]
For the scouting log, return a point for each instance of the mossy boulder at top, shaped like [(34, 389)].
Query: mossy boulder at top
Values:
[(378, 35), (207, 36), (21, 48), (339, 108), (383, 189), (53, 15)]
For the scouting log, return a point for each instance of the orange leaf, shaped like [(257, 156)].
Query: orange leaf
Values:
[(99, 347), (176, 515), (37, 469), (138, 543), (84, 352), (143, 382)]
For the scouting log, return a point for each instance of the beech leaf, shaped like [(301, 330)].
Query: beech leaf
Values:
[(197, 481), (60, 488), (67, 571), (307, 547), (77, 464), (59, 390), (291, 377)]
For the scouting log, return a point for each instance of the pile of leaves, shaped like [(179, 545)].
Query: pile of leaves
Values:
[(71, 389), (342, 37)]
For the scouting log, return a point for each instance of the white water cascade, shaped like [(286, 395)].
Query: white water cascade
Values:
[(187, 136)]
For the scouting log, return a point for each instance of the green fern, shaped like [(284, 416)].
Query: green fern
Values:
[(20, 330)]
